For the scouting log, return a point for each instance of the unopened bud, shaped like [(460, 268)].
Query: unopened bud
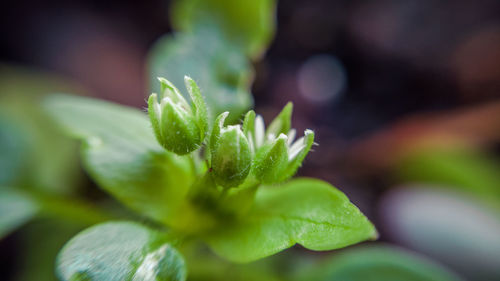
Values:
[(178, 127), (231, 156)]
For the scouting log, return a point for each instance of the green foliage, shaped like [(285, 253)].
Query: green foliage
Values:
[(192, 187), (215, 42), (304, 211), (247, 24), (16, 208), (473, 172), (243, 224), (35, 259), (121, 154), (223, 73), (378, 263), (37, 162), (118, 251), (34, 154)]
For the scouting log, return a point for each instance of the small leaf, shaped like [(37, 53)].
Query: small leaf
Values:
[(122, 155), (378, 263), (16, 208), (304, 211), (118, 251)]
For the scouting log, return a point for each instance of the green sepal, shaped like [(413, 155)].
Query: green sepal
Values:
[(198, 106), (269, 163), (232, 158), (169, 90), (218, 124), (154, 112), (249, 122), (179, 132), (283, 122)]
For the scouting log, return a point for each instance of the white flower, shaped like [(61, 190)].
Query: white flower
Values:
[(259, 137)]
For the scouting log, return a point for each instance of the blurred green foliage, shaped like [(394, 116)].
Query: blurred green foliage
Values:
[(121, 153), (246, 24), (377, 263), (39, 173), (35, 155), (215, 44), (470, 171)]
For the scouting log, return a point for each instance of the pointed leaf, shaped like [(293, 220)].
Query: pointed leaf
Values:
[(304, 211), (118, 251)]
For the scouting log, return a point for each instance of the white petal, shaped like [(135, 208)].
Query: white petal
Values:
[(259, 131), (270, 137), (291, 136), (296, 147)]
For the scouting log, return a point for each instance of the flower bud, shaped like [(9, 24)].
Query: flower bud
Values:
[(231, 157), (278, 161), (276, 155), (178, 127)]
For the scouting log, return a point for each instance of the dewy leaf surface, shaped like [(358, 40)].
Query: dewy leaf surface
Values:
[(119, 251), (304, 211), (248, 24), (122, 155)]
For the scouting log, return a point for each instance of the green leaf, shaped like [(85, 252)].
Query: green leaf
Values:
[(118, 251), (304, 211), (378, 263), (247, 24), (16, 208), (222, 72), (122, 155)]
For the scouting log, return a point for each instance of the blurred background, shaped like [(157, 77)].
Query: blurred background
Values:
[(404, 97)]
